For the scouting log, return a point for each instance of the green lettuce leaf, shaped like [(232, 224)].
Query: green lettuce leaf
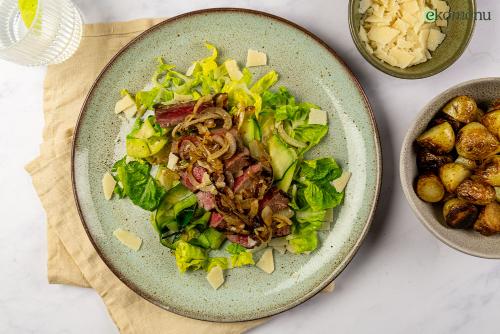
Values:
[(310, 133), (210, 238), (239, 255), (148, 99), (235, 249), (313, 195), (138, 184), (265, 82), (310, 219), (303, 242), (242, 259), (284, 106), (189, 257), (217, 261), (146, 139), (324, 169)]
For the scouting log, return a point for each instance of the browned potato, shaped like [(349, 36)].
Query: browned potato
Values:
[(442, 117), (459, 213), (430, 188), (475, 142), (480, 113), (439, 139), (491, 121), (497, 191), (462, 108), (488, 222), (476, 191), (428, 161), (471, 164), (495, 105), (489, 171), (452, 175)]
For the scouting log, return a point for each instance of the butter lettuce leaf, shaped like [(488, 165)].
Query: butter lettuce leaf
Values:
[(303, 242), (310, 133), (189, 257), (235, 249), (217, 261), (324, 169), (242, 259), (239, 255), (138, 184)]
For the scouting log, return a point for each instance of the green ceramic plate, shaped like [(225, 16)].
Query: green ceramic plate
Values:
[(313, 72), (458, 34)]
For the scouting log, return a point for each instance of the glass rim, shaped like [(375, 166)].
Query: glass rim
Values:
[(28, 30)]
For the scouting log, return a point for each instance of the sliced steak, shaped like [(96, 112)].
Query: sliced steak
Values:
[(243, 240), (217, 220), (198, 173), (198, 176), (206, 200), (237, 162), (173, 114), (185, 181), (275, 199), (242, 181)]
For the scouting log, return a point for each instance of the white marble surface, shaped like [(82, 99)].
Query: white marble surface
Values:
[(403, 280)]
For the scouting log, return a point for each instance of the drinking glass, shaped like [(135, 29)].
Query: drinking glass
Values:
[(52, 36)]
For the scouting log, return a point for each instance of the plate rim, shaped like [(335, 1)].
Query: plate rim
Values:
[(378, 156)]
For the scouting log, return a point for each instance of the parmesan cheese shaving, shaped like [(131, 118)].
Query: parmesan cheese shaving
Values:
[(215, 277), (108, 185), (124, 103), (129, 239), (172, 161), (266, 262), (341, 182), (191, 69), (233, 70), (256, 58), (396, 31)]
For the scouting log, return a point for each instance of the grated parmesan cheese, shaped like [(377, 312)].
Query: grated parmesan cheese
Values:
[(396, 31)]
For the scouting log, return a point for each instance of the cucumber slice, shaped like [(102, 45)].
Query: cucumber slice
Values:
[(281, 157), (156, 144), (286, 181), (266, 121), (146, 131), (137, 148), (250, 130)]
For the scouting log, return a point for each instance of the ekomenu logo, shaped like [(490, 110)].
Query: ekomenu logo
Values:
[(433, 16)]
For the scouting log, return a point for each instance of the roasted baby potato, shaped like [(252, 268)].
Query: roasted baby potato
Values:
[(495, 105), (442, 117), (438, 139), (462, 108), (452, 175), (476, 192), (459, 213), (488, 222), (491, 121), (471, 164), (429, 188), (475, 142), (489, 171), (428, 161)]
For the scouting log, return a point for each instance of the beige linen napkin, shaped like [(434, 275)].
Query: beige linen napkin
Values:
[(71, 257)]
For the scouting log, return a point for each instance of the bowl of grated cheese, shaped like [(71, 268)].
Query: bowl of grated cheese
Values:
[(411, 39)]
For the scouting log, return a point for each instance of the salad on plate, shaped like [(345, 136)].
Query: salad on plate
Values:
[(215, 155)]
